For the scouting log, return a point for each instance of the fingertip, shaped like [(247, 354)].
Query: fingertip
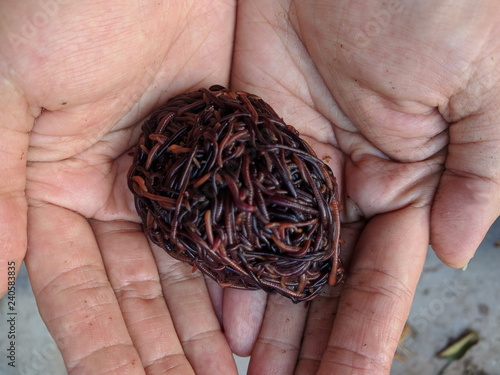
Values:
[(243, 312), (454, 258), (462, 213), (464, 268)]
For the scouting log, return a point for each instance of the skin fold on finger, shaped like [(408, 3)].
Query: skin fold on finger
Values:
[(15, 123), (195, 321), (243, 315), (377, 294), (277, 347), (74, 296), (323, 309), (133, 275)]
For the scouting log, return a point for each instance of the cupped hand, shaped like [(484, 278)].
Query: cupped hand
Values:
[(402, 98), (75, 79)]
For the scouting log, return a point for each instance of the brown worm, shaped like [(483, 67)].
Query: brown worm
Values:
[(221, 182)]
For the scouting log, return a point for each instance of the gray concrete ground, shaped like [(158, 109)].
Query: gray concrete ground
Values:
[(447, 302), (35, 351)]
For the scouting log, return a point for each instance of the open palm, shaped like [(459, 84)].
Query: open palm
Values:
[(72, 92), (379, 115), (402, 99)]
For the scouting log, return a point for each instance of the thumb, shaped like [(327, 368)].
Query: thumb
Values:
[(465, 208), (467, 201)]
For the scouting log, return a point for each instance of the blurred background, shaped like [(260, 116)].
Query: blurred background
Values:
[(448, 302)]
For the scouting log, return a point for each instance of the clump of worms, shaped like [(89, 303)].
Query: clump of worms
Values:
[(222, 183)]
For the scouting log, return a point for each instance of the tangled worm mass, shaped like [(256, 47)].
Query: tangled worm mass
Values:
[(222, 183)]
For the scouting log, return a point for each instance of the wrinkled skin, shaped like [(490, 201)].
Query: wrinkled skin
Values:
[(403, 98)]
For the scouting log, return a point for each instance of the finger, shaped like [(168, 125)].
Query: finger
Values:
[(377, 294), (277, 347), (318, 329), (132, 272), (73, 294), (243, 315), (323, 310), (15, 123), (464, 210), (468, 197), (194, 318)]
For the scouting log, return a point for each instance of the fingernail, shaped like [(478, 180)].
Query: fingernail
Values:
[(465, 266)]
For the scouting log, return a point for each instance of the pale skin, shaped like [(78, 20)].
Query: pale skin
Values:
[(406, 114)]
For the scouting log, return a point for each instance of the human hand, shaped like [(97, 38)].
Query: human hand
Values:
[(404, 99), (75, 79)]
